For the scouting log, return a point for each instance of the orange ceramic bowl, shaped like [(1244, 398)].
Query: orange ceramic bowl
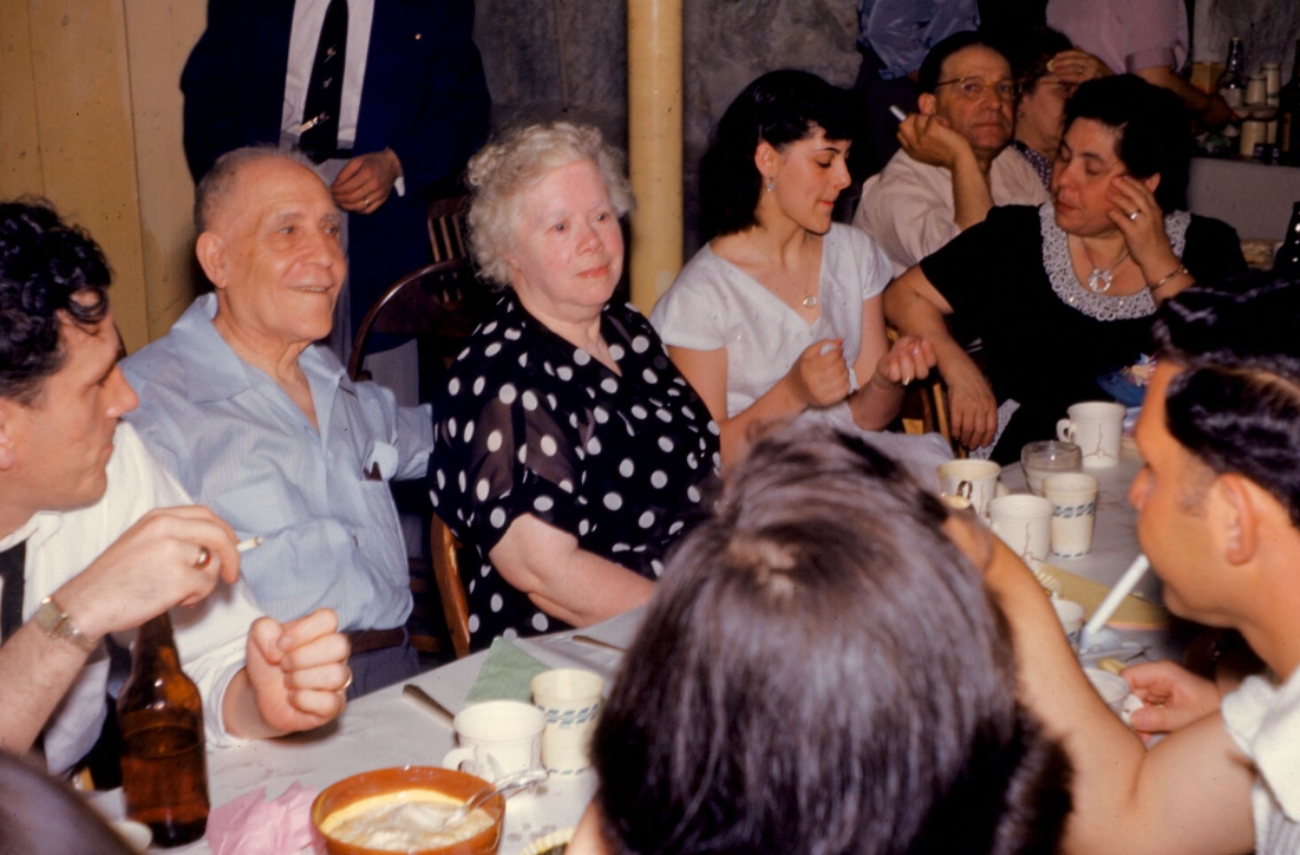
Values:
[(455, 784)]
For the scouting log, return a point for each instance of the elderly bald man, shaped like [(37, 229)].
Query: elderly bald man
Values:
[(262, 424)]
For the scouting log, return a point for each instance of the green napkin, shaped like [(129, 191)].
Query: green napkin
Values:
[(505, 675)]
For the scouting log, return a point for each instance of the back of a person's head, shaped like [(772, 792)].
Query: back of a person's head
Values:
[(41, 815), (1153, 127), (931, 70), (821, 671), (1236, 404), (779, 108), (43, 263)]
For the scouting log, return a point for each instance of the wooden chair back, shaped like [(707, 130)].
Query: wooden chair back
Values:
[(447, 228), (439, 306), (443, 549)]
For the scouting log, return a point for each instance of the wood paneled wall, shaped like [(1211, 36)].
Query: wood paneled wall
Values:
[(90, 118)]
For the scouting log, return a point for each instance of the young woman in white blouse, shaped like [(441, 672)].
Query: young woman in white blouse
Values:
[(779, 316)]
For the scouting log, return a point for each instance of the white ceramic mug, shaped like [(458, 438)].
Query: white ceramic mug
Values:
[(570, 699), (976, 481), (1096, 427), (1024, 523), (1074, 512), (497, 738)]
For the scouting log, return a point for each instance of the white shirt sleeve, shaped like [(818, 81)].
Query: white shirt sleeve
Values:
[(692, 314), (908, 210), (211, 637)]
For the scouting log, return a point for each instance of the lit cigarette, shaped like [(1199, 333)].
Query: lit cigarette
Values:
[(251, 543), (897, 113)]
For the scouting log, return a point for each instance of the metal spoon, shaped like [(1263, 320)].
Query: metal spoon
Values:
[(508, 784)]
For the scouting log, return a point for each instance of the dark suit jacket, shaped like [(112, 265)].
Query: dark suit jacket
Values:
[(424, 96)]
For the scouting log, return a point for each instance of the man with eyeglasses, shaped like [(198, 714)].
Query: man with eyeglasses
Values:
[(955, 163)]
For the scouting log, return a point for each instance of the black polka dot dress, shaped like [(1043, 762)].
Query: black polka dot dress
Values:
[(527, 423)]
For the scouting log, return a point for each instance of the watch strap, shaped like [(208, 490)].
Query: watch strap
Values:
[(58, 624)]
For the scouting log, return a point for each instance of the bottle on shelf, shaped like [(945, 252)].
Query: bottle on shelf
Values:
[(164, 767), (1288, 115), (1232, 82), (1287, 261)]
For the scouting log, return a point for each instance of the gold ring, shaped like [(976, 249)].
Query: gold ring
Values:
[(347, 685), (204, 558)]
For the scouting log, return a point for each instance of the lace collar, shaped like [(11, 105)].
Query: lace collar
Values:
[(1102, 307)]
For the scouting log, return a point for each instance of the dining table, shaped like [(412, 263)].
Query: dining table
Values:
[(1114, 547), (385, 729)]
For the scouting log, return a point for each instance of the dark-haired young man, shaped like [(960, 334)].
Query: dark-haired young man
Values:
[(1219, 516), (96, 538), (955, 163)]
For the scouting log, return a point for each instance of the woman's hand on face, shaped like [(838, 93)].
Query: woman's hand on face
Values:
[(930, 140), (1075, 66), (1144, 233), (909, 359), (820, 375), (972, 407)]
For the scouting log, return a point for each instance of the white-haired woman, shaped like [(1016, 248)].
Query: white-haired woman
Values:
[(570, 453)]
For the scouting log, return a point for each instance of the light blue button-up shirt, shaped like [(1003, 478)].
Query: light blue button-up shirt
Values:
[(240, 445)]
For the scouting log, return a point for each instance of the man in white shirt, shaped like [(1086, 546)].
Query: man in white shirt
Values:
[(87, 544), (1219, 517), (955, 163)]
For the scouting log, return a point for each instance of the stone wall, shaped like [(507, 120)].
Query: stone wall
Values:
[(552, 59)]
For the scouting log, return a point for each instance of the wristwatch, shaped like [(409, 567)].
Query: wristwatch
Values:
[(57, 624)]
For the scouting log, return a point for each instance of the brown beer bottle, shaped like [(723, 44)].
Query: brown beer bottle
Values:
[(160, 713)]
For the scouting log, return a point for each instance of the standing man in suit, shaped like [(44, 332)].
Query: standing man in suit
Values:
[(388, 97)]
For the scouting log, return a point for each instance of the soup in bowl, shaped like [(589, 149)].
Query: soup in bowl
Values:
[(401, 810)]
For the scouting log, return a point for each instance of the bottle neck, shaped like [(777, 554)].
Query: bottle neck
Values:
[(1236, 55), (156, 635)]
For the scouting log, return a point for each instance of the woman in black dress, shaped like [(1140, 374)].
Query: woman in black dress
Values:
[(1063, 294), (570, 454)]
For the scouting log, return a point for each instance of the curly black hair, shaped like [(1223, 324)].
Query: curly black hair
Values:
[(43, 263)]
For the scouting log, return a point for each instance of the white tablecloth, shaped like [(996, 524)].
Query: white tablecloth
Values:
[(384, 729), (1114, 546)]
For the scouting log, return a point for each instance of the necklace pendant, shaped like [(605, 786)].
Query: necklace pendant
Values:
[(810, 301), (1099, 281)]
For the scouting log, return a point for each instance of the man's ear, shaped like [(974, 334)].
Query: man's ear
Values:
[(927, 104), (7, 446), (1239, 513), (211, 252)]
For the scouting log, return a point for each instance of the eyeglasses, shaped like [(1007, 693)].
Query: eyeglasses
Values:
[(973, 88)]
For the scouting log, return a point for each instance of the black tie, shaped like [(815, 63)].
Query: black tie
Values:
[(13, 561), (320, 118)]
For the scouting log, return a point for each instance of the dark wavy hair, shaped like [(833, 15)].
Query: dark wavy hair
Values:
[(779, 108), (822, 670), (43, 263), (1236, 406), (931, 70), (1153, 128), (1030, 54)]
